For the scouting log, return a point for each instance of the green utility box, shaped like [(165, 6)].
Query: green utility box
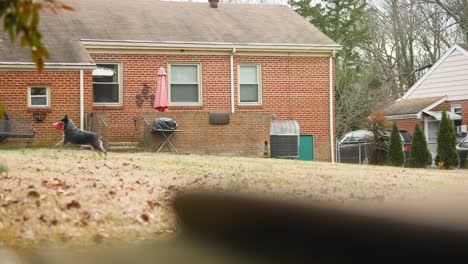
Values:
[(306, 147)]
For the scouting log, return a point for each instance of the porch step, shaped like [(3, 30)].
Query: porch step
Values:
[(124, 147)]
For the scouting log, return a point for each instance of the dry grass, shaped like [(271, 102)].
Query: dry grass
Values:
[(76, 197)]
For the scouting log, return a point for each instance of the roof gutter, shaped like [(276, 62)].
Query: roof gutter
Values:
[(228, 46), (232, 78), (405, 116), (47, 65)]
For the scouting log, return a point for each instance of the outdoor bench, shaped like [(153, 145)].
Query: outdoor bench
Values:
[(17, 128)]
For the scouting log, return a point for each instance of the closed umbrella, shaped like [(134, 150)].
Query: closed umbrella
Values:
[(160, 100)]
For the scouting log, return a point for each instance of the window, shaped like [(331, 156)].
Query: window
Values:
[(249, 84), (107, 84), (38, 96), (184, 82), (457, 110)]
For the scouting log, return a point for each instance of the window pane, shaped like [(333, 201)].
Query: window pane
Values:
[(38, 91), (184, 93), (114, 78), (39, 101), (106, 93), (249, 93), (248, 74), (184, 74)]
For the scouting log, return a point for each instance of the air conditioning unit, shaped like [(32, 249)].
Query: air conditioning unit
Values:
[(284, 139), (464, 129), (458, 130)]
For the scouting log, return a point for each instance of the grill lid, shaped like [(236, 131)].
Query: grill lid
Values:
[(284, 127)]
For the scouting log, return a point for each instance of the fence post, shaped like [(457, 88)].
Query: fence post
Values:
[(338, 152), (360, 154)]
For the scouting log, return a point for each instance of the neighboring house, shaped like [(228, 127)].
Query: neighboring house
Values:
[(444, 86), (235, 58)]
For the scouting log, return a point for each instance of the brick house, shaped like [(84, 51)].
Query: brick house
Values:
[(443, 87), (253, 61)]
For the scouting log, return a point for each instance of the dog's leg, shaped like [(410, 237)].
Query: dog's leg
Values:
[(102, 147), (98, 147)]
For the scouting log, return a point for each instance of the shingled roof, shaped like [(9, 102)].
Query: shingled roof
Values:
[(159, 21), (411, 106)]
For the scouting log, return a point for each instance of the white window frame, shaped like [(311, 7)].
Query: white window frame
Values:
[(259, 83), (199, 80), (47, 96), (453, 107), (120, 73)]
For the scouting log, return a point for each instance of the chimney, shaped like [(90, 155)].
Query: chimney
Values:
[(213, 3)]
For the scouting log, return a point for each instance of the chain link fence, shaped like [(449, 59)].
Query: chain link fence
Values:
[(358, 153)]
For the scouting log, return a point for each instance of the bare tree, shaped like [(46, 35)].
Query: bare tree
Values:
[(457, 10)]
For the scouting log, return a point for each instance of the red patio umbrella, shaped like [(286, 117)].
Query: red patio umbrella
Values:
[(160, 100)]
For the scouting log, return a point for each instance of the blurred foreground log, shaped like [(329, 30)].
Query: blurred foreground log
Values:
[(222, 228)]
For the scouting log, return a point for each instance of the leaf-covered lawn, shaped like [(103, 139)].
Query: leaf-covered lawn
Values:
[(77, 197)]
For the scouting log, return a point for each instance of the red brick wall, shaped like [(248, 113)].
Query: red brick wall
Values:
[(293, 88), (64, 91), (409, 124), (244, 134)]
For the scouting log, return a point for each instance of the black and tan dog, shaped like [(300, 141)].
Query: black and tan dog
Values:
[(74, 135)]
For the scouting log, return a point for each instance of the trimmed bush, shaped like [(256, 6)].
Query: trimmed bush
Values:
[(447, 155), (420, 156), (395, 156)]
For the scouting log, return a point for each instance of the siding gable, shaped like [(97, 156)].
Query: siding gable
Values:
[(448, 77)]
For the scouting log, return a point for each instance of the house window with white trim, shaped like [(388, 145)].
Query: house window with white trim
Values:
[(38, 96), (107, 84), (250, 91), (185, 84), (457, 109)]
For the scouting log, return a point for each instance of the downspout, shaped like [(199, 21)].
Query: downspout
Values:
[(81, 99), (232, 79), (332, 134)]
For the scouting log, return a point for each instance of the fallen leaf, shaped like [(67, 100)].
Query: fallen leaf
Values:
[(73, 204), (55, 185), (153, 204), (33, 194), (43, 219), (145, 217)]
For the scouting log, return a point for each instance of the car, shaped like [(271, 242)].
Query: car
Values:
[(462, 149), (352, 147)]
